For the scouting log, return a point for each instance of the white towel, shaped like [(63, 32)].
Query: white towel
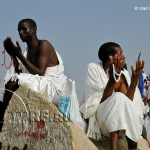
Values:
[(95, 83), (49, 85)]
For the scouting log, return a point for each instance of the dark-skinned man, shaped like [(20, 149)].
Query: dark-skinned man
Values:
[(40, 67)]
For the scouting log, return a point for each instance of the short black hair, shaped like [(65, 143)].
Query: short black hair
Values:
[(107, 49), (31, 22)]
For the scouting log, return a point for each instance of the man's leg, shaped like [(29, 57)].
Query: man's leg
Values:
[(131, 144), (113, 140), (12, 86)]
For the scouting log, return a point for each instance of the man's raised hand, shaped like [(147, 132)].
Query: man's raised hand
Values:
[(14, 49), (118, 64), (7, 46), (138, 70)]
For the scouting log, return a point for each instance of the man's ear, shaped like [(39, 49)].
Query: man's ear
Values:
[(34, 30)]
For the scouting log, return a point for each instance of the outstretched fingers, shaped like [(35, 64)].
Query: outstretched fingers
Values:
[(132, 68), (120, 63), (111, 60), (143, 63), (115, 59), (139, 67)]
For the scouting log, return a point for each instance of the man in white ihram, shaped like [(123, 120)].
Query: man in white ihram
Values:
[(113, 106), (40, 67)]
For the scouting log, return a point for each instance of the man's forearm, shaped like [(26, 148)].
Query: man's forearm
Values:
[(29, 66), (131, 90), (16, 63), (108, 90)]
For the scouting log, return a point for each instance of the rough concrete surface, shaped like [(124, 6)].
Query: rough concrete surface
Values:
[(42, 127)]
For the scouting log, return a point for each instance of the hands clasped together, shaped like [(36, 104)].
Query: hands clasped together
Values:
[(11, 48), (13, 51)]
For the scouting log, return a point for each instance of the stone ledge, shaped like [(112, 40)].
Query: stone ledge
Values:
[(55, 132), (51, 132)]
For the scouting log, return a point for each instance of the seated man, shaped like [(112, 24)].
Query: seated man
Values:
[(40, 67), (113, 106)]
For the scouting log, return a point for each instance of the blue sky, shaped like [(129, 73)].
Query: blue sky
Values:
[(78, 28)]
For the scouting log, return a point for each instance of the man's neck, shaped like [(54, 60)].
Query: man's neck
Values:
[(106, 66), (33, 43)]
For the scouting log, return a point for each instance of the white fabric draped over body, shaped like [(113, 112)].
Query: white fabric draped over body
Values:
[(117, 112), (50, 85)]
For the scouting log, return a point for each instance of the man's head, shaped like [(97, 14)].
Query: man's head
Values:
[(108, 49), (27, 29)]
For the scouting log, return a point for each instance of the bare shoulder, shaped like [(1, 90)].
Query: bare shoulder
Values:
[(46, 46), (47, 50)]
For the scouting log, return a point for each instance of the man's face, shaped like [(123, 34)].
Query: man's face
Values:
[(120, 54), (25, 31)]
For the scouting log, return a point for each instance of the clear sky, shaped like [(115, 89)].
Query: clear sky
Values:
[(78, 28)]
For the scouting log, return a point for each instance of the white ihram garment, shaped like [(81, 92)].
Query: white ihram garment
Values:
[(116, 113), (49, 85)]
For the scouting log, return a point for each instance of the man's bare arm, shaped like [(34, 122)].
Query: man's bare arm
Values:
[(44, 51), (42, 60), (129, 92), (134, 78), (17, 70), (108, 90)]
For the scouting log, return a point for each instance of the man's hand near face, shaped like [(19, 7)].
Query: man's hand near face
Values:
[(7, 47), (12, 48)]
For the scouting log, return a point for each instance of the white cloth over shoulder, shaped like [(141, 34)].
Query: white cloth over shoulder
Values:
[(110, 116), (49, 85)]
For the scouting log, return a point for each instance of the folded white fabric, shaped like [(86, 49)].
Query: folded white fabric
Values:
[(49, 85), (118, 112)]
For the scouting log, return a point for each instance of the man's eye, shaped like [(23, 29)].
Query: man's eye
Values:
[(24, 28)]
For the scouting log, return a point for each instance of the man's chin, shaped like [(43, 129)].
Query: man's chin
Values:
[(23, 40)]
